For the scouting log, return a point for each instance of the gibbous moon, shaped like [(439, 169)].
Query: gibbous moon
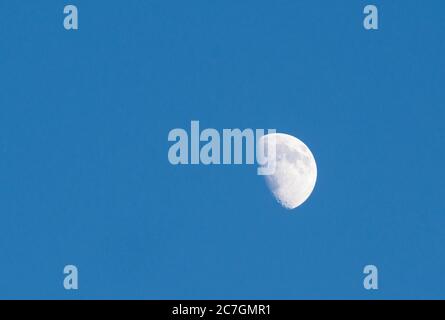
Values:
[(295, 169)]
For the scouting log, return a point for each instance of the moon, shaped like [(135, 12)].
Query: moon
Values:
[(295, 174)]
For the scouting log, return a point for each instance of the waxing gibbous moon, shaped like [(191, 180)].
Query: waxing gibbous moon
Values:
[(295, 174)]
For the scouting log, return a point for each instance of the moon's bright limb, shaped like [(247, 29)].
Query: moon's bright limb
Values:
[(295, 170)]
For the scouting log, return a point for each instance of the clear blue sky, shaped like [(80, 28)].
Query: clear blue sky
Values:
[(85, 178)]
